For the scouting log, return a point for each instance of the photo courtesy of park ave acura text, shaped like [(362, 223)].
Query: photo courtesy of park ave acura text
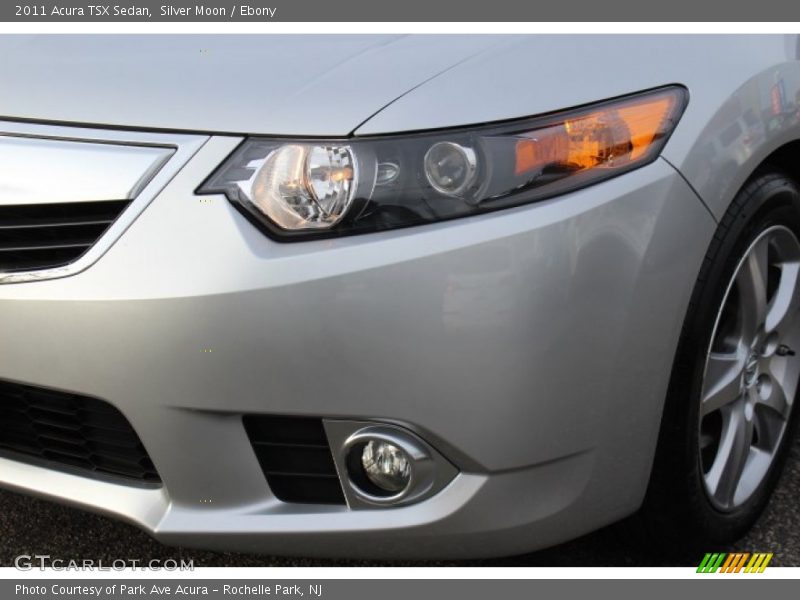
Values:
[(400, 298)]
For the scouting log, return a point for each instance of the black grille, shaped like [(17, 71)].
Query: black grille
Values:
[(296, 459), (40, 236), (71, 431)]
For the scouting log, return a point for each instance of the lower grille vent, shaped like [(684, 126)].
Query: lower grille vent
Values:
[(296, 459), (63, 429), (42, 236)]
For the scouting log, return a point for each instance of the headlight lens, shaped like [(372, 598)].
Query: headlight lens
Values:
[(450, 168), (302, 188)]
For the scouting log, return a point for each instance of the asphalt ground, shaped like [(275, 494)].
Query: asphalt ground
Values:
[(32, 526)]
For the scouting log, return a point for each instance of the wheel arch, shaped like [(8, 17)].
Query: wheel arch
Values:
[(786, 159)]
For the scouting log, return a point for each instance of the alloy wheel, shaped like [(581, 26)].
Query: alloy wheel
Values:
[(751, 370)]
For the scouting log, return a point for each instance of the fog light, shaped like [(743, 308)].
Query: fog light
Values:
[(387, 466)]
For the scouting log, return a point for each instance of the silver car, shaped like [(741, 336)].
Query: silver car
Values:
[(400, 296)]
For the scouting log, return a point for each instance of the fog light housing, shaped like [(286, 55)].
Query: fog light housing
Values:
[(386, 465)]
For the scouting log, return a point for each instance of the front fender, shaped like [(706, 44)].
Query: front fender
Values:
[(738, 131)]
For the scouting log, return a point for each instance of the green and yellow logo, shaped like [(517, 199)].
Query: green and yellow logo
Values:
[(734, 562)]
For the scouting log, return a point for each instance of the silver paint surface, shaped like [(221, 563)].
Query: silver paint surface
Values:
[(531, 347)]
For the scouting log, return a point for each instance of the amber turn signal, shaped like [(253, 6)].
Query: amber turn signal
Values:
[(614, 135)]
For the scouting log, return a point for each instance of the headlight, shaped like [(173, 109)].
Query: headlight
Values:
[(303, 188)]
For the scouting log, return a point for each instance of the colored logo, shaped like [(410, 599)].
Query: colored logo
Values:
[(736, 562)]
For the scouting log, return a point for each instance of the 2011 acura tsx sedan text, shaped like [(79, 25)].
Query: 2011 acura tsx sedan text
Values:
[(400, 296)]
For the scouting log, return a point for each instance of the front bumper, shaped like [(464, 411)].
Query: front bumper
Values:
[(532, 347)]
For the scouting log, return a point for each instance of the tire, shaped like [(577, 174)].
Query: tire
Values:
[(693, 502)]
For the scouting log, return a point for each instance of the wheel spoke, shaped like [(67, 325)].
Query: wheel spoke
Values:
[(776, 399), (723, 379), (786, 301), (752, 284), (734, 449), (755, 467), (769, 426)]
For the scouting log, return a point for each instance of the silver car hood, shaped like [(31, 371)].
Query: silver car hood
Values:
[(283, 85)]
